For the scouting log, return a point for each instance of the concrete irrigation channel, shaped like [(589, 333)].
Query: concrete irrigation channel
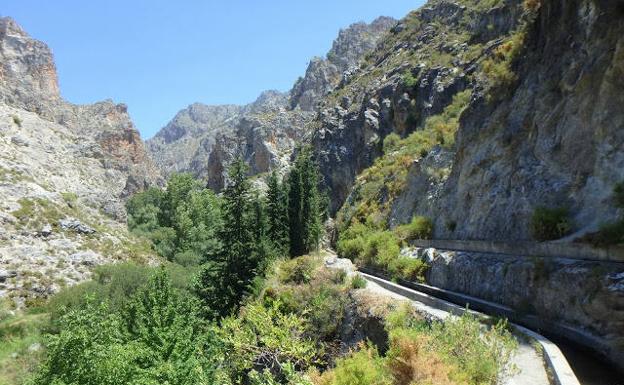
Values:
[(566, 362)]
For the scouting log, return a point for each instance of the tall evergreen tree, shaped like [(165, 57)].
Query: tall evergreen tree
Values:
[(224, 280), (304, 205), (294, 211), (277, 215)]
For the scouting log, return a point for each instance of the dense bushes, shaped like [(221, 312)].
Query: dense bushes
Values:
[(285, 334), (419, 228), (182, 221), (380, 249), (115, 285), (550, 223), (498, 68), (154, 338)]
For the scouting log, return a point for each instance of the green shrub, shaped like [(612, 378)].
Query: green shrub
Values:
[(187, 258), (364, 367), (339, 277), (69, 197), (380, 248), (550, 223), (391, 142), (114, 284), (609, 234), (409, 269), (480, 353), (498, 68), (298, 270), (18, 333), (155, 339), (419, 228), (17, 120), (324, 313), (409, 80), (357, 282), (261, 337)]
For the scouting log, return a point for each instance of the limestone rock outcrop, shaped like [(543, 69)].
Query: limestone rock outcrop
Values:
[(65, 171)]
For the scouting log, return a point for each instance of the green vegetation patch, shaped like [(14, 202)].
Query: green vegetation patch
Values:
[(550, 223), (20, 344), (380, 249)]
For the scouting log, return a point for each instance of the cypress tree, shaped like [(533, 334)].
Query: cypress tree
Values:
[(294, 211), (278, 227), (305, 211)]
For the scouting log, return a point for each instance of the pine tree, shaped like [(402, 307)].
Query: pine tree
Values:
[(225, 279), (277, 215)]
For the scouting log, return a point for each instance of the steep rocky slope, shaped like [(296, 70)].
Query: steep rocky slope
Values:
[(532, 90), (204, 139), (64, 171)]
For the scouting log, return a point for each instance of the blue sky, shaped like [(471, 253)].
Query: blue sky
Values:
[(159, 56)]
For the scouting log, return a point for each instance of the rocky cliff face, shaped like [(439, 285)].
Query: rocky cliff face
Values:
[(204, 139), (413, 74), (556, 139), (64, 172), (325, 74), (542, 125)]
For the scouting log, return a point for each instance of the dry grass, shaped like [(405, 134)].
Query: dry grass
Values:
[(412, 363)]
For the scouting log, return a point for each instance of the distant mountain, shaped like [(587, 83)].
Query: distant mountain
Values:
[(204, 139)]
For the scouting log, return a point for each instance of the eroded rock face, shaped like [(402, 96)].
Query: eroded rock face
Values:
[(412, 74), (557, 140), (204, 139), (28, 81), (27, 70), (324, 74), (553, 137), (175, 146), (64, 173)]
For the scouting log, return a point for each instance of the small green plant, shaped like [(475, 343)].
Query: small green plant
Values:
[(609, 233), (364, 367), (419, 228), (357, 282), (390, 142), (70, 198), (550, 223), (17, 120), (298, 270), (409, 80), (498, 68), (339, 277)]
